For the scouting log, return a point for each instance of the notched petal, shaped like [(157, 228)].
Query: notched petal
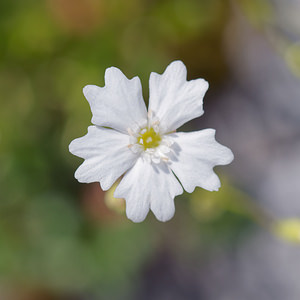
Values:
[(106, 156), (194, 156), (175, 100), (149, 186), (119, 104)]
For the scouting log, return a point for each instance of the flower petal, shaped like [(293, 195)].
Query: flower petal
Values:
[(173, 99), (149, 186), (106, 155), (119, 104), (194, 156)]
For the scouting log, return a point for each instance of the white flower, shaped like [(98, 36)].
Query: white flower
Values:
[(144, 146)]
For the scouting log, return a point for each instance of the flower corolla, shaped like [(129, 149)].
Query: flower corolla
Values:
[(142, 145)]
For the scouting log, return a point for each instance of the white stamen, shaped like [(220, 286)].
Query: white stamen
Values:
[(155, 159), (130, 132), (146, 157), (135, 128), (132, 140), (150, 113), (156, 122), (167, 141), (164, 149), (137, 143), (150, 151), (136, 148), (144, 124)]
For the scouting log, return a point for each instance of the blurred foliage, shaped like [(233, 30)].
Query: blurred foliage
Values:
[(258, 12), (288, 230), (284, 37), (54, 233), (115, 204), (292, 56)]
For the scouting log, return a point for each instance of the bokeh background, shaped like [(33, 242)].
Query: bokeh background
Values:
[(61, 240)]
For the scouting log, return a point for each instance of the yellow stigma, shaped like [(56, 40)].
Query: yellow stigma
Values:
[(148, 138)]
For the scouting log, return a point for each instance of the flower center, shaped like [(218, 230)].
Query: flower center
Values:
[(148, 138)]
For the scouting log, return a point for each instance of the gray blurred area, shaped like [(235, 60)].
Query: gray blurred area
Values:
[(257, 113), (262, 123)]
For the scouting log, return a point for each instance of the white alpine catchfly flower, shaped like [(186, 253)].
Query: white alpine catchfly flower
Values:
[(143, 146)]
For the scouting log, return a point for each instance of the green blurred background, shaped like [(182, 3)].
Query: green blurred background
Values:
[(63, 240)]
